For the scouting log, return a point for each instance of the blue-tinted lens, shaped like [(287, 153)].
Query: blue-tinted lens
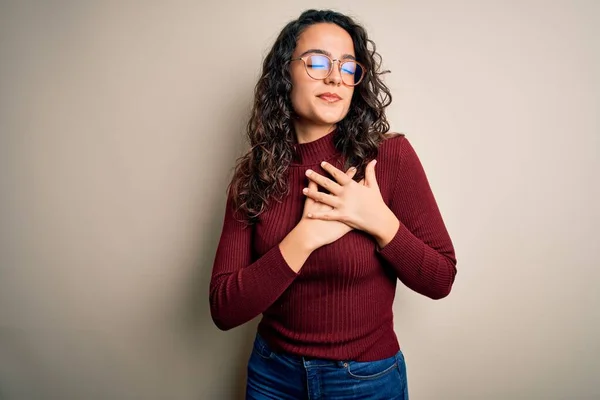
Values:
[(349, 67), (318, 66), (351, 72)]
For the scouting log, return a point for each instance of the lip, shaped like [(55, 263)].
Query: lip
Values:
[(329, 97)]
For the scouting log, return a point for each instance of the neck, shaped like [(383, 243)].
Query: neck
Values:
[(308, 132)]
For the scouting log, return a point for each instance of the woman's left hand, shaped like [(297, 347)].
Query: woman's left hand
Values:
[(357, 204)]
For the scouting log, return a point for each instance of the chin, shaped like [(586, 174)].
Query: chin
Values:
[(333, 120), (332, 117), (323, 116)]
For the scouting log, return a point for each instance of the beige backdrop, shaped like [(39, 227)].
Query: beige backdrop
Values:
[(120, 123)]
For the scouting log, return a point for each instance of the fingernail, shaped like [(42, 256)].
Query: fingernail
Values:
[(305, 190), (308, 172), (309, 215), (323, 164)]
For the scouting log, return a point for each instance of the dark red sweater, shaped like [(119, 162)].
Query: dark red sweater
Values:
[(339, 306)]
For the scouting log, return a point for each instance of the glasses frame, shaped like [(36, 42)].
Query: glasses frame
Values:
[(340, 62)]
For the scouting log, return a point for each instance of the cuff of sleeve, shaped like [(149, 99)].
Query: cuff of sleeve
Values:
[(279, 270), (404, 247)]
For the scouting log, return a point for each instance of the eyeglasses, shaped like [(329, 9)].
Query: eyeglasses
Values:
[(320, 66)]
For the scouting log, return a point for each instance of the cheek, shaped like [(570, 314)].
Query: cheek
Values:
[(296, 99), (348, 98), (300, 96), (347, 101)]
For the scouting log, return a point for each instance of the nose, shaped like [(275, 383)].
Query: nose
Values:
[(335, 77)]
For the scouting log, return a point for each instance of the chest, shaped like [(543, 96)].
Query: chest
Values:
[(282, 216)]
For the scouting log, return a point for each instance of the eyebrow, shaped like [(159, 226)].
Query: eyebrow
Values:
[(319, 51)]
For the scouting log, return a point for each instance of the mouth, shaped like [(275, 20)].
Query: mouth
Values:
[(329, 97)]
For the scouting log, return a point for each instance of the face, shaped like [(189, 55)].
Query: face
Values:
[(323, 101)]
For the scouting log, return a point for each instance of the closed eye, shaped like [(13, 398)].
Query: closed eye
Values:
[(349, 68)]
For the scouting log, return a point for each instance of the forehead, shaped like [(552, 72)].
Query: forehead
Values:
[(325, 36)]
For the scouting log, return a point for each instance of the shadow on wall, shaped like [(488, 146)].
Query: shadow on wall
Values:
[(222, 356)]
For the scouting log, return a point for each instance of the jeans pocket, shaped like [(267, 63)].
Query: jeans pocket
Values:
[(400, 360), (371, 369), (261, 348)]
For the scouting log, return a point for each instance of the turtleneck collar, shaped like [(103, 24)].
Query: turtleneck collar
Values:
[(312, 153)]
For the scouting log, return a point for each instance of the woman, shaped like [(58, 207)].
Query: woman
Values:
[(315, 234)]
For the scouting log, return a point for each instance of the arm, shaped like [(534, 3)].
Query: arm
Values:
[(410, 233), (421, 251), (240, 288)]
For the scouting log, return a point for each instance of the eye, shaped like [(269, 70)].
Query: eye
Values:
[(318, 62), (349, 67)]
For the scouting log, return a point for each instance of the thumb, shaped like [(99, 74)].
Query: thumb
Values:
[(370, 178)]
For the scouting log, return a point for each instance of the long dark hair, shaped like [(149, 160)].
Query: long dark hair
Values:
[(260, 175)]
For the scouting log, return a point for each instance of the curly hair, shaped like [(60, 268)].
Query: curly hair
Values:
[(260, 174)]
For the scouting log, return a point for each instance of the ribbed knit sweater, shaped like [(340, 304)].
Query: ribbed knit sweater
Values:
[(339, 305)]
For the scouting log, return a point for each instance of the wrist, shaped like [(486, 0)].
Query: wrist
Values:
[(387, 227), (296, 248), (302, 238)]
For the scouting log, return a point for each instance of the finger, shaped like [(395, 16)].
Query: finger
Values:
[(370, 178), (324, 182), (321, 197), (338, 175), (332, 215), (351, 172), (311, 186)]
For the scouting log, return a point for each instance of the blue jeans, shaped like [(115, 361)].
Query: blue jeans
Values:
[(284, 376)]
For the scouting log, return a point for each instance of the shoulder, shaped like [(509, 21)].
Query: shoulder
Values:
[(397, 153), (393, 135), (393, 145)]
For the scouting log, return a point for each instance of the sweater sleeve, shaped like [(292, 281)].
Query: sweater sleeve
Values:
[(242, 288), (421, 253)]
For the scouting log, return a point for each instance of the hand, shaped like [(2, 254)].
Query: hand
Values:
[(322, 232), (356, 204)]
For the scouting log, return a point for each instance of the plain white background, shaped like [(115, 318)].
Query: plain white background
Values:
[(120, 123)]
